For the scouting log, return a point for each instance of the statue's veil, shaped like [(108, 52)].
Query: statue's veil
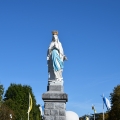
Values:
[(59, 46)]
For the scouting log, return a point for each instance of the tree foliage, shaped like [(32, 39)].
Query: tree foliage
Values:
[(100, 116), (114, 113), (17, 98), (5, 113)]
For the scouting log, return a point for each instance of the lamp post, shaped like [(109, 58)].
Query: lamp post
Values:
[(93, 108)]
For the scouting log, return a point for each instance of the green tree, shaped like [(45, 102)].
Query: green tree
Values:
[(114, 113), (6, 113), (100, 116), (17, 98)]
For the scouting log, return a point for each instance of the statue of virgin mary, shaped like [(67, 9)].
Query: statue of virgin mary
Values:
[(55, 58)]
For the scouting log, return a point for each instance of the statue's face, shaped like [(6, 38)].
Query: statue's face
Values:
[(55, 37)]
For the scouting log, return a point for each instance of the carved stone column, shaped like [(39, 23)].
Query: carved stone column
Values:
[(55, 102)]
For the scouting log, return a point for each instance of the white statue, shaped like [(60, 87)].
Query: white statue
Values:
[(55, 58)]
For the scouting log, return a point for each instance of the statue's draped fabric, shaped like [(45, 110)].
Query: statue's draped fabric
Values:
[(55, 57), (57, 62)]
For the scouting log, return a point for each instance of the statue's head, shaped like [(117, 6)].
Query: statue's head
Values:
[(55, 32), (55, 35)]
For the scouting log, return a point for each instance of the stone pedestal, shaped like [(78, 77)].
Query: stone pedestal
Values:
[(55, 102)]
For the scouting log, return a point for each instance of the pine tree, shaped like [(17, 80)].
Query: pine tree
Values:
[(114, 113)]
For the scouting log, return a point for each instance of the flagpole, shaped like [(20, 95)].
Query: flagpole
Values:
[(103, 110), (29, 106), (28, 115)]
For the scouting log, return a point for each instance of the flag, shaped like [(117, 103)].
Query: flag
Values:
[(41, 110), (93, 108), (107, 103), (30, 103)]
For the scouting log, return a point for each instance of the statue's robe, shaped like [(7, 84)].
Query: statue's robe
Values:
[(55, 57)]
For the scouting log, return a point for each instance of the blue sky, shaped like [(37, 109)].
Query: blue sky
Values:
[(89, 31)]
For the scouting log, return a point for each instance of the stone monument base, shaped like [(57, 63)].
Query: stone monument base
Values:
[(55, 103)]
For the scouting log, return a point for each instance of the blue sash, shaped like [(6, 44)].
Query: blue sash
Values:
[(56, 60)]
